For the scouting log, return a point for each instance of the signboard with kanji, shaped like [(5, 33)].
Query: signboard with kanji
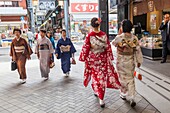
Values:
[(84, 7), (46, 4)]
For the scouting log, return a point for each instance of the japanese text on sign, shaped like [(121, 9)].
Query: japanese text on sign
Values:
[(84, 7)]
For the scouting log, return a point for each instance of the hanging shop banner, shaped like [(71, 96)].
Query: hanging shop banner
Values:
[(46, 4)]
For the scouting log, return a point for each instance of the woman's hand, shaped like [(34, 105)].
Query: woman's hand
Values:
[(138, 65), (56, 55), (29, 58)]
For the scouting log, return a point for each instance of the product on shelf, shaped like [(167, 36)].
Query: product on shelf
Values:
[(151, 41)]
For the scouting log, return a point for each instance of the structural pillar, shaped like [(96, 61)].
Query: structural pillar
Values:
[(66, 17), (30, 8), (103, 14)]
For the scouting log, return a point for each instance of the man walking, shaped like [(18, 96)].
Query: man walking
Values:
[(165, 32)]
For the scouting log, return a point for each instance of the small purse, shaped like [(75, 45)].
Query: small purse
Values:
[(51, 63), (13, 66), (73, 61)]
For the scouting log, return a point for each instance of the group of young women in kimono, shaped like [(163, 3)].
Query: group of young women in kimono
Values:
[(97, 55)]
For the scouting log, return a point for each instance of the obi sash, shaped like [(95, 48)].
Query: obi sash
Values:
[(65, 48), (44, 47), (19, 49)]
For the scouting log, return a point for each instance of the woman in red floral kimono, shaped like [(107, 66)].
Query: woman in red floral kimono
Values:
[(97, 55)]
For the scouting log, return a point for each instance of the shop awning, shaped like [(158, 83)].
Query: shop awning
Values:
[(12, 11)]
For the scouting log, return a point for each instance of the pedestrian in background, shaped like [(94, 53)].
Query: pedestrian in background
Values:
[(128, 55), (65, 50), (25, 36), (30, 37), (165, 32), (50, 36), (20, 52), (57, 34), (98, 57), (44, 51)]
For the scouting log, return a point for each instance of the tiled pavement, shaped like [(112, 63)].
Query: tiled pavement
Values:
[(58, 94)]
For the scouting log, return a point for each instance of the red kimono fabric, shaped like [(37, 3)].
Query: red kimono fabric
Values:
[(98, 65)]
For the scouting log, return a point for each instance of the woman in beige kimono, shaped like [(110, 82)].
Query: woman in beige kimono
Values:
[(44, 51), (128, 55), (20, 51)]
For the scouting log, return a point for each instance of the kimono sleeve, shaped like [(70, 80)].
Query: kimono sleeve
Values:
[(109, 50), (50, 46), (28, 50), (12, 51), (73, 50), (138, 53), (85, 49), (57, 50)]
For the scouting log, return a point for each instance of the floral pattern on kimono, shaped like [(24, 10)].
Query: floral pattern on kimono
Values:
[(97, 55)]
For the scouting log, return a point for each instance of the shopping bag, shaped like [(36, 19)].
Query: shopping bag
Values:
[(52, 64), (137, 74)]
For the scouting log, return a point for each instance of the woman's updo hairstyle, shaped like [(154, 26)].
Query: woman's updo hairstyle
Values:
[(95, 22), (127, 26)]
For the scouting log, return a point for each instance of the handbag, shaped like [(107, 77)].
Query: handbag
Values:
[(51, 63), (13, 66), (73, 61)]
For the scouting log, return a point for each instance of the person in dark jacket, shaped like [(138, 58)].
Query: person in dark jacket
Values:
[(165, 32)]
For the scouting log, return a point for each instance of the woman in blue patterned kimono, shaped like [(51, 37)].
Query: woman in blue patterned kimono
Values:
[(65, 50)]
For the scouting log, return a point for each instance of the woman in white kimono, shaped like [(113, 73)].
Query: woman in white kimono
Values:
[(129, 55), (44, 51)]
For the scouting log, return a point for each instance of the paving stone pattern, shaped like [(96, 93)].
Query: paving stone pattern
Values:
[(58, 94)]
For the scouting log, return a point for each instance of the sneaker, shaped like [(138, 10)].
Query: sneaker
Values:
[(123, 97), (67, 74), (46, 78), (132, 103), (95, 95), (102, 104), (23, 81)]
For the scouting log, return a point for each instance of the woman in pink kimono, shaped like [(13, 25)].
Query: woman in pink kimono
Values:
[(128, 55), (97, 55)]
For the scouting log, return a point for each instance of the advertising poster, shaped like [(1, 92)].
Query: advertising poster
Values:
[(153, 21)]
